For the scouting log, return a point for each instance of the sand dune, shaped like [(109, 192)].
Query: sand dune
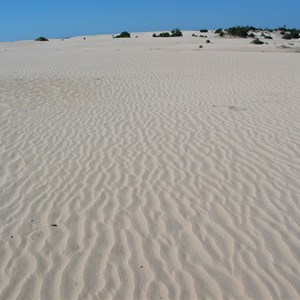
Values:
[(149, 169)]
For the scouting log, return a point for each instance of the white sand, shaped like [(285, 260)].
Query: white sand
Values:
[(171, 172)]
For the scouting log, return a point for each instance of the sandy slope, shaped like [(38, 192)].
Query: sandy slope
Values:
[(170, 172)]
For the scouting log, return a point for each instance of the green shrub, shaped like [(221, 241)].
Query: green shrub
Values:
[(41, 39), (123, 34), (268, 37), (164, 34), (294, 34), (287, 36), (176, 32), (251, 35), (219, 30), (203, 30), (239, 31), (207, 41), (282, 29), (222, 33), (257, 42)]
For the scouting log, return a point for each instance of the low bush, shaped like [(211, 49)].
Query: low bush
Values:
[(219, 30), (41, 39), (203, 30), (123, 34), (293, 34), (176, 32), (257, 42), (240, 31), (222, 33), (207, 41), (164, 34), (287, 36), (282, 29)]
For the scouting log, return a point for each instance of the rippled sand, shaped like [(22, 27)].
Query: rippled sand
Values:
[(149, 169)]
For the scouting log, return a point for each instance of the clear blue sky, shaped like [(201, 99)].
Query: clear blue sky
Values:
[(28, 19)]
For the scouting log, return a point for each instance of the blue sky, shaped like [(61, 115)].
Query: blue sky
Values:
[(28, 19)]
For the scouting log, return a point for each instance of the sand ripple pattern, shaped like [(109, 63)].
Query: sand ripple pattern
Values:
[(168, 175)]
